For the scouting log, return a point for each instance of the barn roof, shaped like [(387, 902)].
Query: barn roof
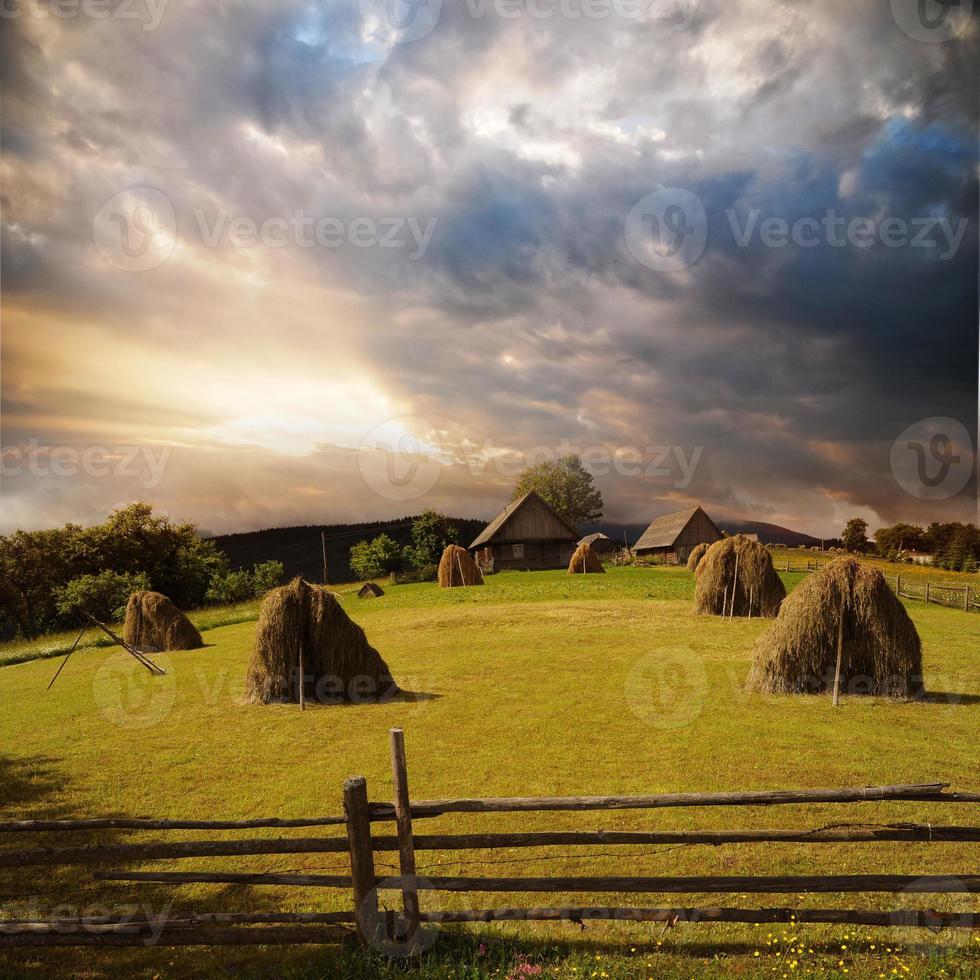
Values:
[(592, 538), (666, 529), (496, 526)]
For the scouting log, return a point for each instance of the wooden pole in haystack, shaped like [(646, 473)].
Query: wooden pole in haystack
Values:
[(751, 596), (406, 843), (459, 565), (78, 639), (734, 586), (840, 651), (724, 602), (301, 680)]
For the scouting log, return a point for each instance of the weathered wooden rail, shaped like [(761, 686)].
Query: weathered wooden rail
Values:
[(405, 929)]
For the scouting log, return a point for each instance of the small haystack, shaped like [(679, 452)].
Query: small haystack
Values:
[(881, 652), (370, 591), (697, 553), (338, 661), (737, 572), (456, 567), (584, 560), (154, 623)]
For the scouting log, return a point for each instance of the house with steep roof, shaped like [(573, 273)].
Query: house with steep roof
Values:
[(674, 535), (528, 534)]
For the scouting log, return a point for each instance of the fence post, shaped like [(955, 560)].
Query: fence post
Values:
[(927, 592), (361, 857), (898, 585), (406, 843), (966, 600)]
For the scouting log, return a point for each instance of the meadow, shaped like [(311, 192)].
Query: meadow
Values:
[(536, 684)]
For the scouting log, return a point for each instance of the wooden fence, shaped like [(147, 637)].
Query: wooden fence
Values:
[(406, 929)]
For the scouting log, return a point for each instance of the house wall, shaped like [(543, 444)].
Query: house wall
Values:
[(531, 555)]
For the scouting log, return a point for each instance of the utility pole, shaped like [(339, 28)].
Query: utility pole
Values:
[(323, 545)]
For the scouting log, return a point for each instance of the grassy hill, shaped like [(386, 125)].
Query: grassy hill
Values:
[(537, 683)]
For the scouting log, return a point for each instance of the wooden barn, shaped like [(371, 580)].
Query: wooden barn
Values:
[(672, 536), (600, 543), (528, 534)]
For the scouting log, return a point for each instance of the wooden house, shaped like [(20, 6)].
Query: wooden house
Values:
[(528, 534), (673, 536)]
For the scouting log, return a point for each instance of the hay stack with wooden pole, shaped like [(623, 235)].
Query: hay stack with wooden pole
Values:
[(584, 561), (736, 578), (457, 567), (304, 624), (847, 606), (154, 623), (697, 553)]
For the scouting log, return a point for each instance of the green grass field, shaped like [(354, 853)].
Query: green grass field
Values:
[(536, 684)]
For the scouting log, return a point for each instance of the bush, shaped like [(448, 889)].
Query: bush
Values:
[(103, 596), (228, 588), (372, 559)]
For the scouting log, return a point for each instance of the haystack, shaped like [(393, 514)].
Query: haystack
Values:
[(154, 623), (697, 553), (370, 590), (584, 559), (338, 661), (757, 588), (881, 652), (456, 567)]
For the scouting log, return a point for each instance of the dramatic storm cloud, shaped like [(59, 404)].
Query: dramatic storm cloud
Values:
[(726, 249)]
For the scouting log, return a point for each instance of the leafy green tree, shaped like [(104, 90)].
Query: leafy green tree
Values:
[(231, 587), (565, 484), (103, 596), (899, 537), (431, 532), (855, 536), (372, 559), (267, 575)]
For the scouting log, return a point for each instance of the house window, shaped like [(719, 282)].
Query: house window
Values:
[(518, 550)]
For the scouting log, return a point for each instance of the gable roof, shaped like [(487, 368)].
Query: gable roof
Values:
[(592, 538), (493, 529), (667, 528)]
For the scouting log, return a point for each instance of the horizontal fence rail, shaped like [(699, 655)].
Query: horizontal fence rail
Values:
[(404, 927)]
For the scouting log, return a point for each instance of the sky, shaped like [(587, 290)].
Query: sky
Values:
[(282, 263)]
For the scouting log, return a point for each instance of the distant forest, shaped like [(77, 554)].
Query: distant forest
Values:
[(299, 548)]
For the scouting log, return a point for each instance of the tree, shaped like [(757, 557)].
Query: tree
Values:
[(899, 537), (565, 484), (855, 536), (102, 596), (431, 532), (372, 559), (230, 587)]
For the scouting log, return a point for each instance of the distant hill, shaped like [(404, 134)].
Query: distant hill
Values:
[(300, 549)]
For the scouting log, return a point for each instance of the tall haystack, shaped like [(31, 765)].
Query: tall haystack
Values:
[(154, 623), (584, 560), (338, 661), (456, 567), (697, 553), (881, 652), (737, 572)]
